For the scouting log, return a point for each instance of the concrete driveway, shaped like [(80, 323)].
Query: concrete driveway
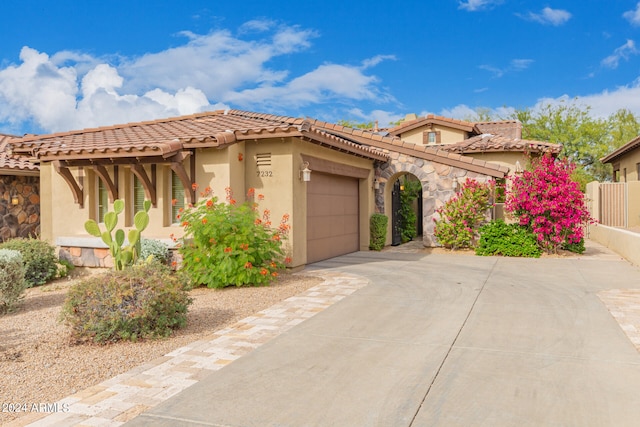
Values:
[(438, 340)]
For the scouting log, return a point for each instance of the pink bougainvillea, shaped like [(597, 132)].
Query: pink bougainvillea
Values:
[(546, 200)]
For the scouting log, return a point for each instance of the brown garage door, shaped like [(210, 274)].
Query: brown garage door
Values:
[(332, 216)]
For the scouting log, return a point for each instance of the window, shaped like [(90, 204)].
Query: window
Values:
[(637, 171), (138, 195), (103, 201), (177, 198), (431, 137)]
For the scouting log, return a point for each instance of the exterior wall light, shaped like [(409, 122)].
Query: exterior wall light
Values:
[(518, 168), (305, 174), (14, 199), (376, 184)]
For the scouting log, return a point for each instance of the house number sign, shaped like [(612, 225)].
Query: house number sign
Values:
[(265, 174)]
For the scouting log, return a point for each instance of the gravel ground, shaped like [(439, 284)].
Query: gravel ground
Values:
[(39, 365)]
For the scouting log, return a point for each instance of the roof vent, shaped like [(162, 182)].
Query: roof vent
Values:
[(263, 159)]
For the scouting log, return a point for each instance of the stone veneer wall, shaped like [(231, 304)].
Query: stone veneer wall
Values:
[(437, 186), (23, 219)]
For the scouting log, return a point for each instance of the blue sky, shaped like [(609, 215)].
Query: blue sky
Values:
[(69, 65)]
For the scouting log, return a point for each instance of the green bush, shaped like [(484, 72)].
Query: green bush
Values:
[(378, 229), (499, 238), (12, 283), (231, 243), (577, 247), (64, 268), (38, 257), (154, 248), (143, 301)]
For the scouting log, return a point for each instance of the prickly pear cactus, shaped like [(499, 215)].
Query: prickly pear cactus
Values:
[(123, 256)]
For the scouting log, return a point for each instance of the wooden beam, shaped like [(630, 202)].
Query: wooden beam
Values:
[(179, 169), (76, 189), (102, 172), (149, 186)]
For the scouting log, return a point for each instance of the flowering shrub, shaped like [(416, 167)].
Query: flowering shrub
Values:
[(547, 201), (231, 243), (461, 215)]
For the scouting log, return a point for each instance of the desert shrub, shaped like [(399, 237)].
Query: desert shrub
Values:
[(38, 258), (63, 268), (231, 243), (143, 301), (378, 230), (462, 215), (499, 238), (12, 283), (154, 248)]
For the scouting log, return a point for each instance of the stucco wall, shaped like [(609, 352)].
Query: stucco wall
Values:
[(630, 162), (623, 242), (234, 166), (447, 135)]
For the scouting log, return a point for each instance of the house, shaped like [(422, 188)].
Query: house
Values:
[(354, 173), (625, 161), (499, 142), (19, 193)]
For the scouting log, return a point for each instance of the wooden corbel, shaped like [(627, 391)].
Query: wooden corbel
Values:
[(102, 172), (66, 174), (179, 169), (149, 185)]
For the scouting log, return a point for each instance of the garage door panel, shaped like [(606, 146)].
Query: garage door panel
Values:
[(332, 216)]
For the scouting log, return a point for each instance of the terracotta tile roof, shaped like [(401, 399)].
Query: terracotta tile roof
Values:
[(11, 163), (165, 137), (497, 143), (615, 155), (432, 119)]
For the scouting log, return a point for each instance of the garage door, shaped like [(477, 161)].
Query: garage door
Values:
[(332, 216)]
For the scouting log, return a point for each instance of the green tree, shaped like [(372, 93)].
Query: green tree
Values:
[(584, 139), (623, 127), (356, 125)]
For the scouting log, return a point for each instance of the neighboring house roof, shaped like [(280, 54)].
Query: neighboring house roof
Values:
[(167, 137), (497, 136), (508, 128), (391, 143), (626, 148), (11, 163), (499, 143)]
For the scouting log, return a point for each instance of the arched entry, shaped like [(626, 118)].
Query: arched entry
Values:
[(406, 209)]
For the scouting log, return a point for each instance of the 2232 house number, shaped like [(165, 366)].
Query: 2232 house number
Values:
[(265, 174)]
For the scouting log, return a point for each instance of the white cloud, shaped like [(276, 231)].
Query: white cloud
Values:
[(606, 102), (515, 65), (633, 16), (70, 90), (549, 16), (622, 52), (474, 5)]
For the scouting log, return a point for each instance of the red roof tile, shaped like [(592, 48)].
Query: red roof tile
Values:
[(11, 163)]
